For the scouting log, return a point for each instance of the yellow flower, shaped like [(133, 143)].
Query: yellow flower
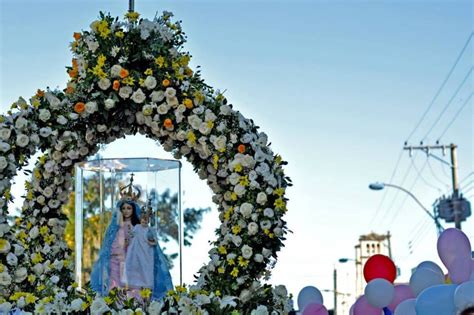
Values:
[(67, 262), (7, 194), (215, 161), (101, 60), (40, 288), (191, 137), (279, 191), (36, 258), (31, 278), (119, 34), (236, 229), (222, 250), (231, 262), (4, 246), (217, 293), (44, 230), (235, 272), (108, 300), (243, 262), (188, 103), (128, 81), (278, 159), (148, 72), (2, 268), (233, 196), (103, 29), (184, 60), (29, 225), (132, 16), (30, 298), (37, 173), (244, 181), (47, 299), (280, 204), (29, 195), (238, 167), (145, 293), (198, 97), (210, 124), (221, 270), (16, 296), (180, 289), (160, 61), (35, 102), (49, 239)]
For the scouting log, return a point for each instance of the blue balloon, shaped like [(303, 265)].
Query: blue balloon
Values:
[(437, 300)]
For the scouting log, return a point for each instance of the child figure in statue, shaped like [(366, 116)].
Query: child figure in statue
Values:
[(140, 258)]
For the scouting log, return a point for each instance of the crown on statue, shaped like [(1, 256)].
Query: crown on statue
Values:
[(127, 193)]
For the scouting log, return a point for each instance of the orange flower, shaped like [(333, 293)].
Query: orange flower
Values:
[(188, 103), (241, 148), (72, 73), (70, 89), (40, 93), (116, 85), (166, 82), (168, 123), (123, 73), (79, 107), (74, 63), (188, 72), (77, 36)]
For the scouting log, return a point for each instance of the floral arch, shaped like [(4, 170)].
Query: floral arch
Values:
[(132, 76)]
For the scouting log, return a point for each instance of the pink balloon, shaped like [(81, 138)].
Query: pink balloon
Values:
[(362, 307), (453, 243), (315, 309), (460, 270), (402, 292)]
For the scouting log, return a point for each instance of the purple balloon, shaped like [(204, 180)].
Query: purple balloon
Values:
[(315, 309), (453, 243), (362, 307), (460, 270), (402, 292)]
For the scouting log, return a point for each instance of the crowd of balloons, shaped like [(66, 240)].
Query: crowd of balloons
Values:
[(429, 292)]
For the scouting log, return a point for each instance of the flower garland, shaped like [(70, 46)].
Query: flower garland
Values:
[(130, 76)]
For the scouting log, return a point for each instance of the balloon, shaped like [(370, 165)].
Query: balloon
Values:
[(309, 295), (315, 309), (472, 270), (460, 269), (424, 278), (380, 266), (387, 311), (430, 265), (464, 295), (453, 243), (402, 292), (437, 300), (379, 292), (351, 310), (407, 307), (362, 307)]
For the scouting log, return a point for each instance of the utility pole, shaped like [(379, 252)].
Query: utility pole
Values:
[(335, 289), (457, 210), (389, 245)]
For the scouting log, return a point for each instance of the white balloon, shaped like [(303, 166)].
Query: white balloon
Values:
[(430, 265), (464, 295), (309, 295), (379, 292), (424, 278), (407, 307)]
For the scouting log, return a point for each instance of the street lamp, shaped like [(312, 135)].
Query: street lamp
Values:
[(380, 186), (336, 293)]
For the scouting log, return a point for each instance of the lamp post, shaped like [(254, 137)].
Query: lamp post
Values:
[(380, 186), (336, 293)]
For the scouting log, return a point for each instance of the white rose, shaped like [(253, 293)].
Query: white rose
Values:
[(265, 225), (109, 103), (54, 102), (172, 101), (104, 83), (73, 116), (220, 143), (44, 115), (253, 228), (20, 274), (92, 45), (225, 109), (34, 232), (5, 307), (101, 128), (54, 279), (246, 251), (209, 116), (38, 269), (204, 128), (20, 123), (163, 109), (99, 307), (261, 198), (3, 162), (260, 310), (234, 178), (76, 305), (157, 96), (237, 240), (239, 190), (5, 134), (12, 259), (5, 279), (246, 209), (91, 107), (54, 203), (194, 121), (138, 96), (61, 120), (45, 132), (268, 212), (4, 147), (22, 140), (258, 258), (278, 231), (170, 92), (140, 118), (125, 92), (83, 151), (150, 82), (19, 250), (115, 71), (266, 252), (245, 295), (147, 110)]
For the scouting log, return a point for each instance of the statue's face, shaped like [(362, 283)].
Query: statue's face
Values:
[(127, 210)]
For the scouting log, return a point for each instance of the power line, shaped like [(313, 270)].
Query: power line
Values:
[(467, 176), (449, 103), (421, 176), (441, 87), (434, 174), (456, 115)]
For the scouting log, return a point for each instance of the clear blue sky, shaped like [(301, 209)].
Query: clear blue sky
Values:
[(337, 86)]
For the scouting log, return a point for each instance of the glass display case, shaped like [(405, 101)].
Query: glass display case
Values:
[(103, 227)]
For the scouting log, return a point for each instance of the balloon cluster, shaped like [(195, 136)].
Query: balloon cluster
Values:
[(310, 302), (429, 291)]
